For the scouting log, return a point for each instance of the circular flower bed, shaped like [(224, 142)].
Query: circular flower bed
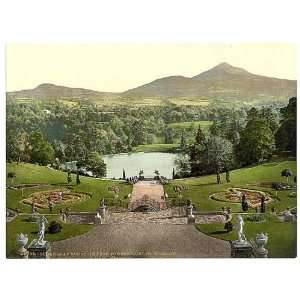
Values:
[(234, 195), (60, 196)]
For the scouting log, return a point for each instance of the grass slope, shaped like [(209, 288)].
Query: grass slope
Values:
[(282, 236), (28, 173)]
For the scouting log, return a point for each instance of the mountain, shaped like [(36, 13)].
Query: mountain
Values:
[(48, 91), (223, 82)]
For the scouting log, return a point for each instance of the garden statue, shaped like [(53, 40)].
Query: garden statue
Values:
[(189, 212), (41, 234), (239, 230), (22, 240)]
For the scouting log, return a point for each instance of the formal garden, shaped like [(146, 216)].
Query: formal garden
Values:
[(38, 184)]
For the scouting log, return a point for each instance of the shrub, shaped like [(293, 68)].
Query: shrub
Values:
[(277, 186), (256, 218), (30, 219), (228, 226), (54, 227)]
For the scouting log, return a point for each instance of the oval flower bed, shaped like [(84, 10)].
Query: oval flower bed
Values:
[(60, 196), (234, 195)]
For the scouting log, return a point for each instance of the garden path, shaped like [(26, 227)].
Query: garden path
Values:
[(141, 240)]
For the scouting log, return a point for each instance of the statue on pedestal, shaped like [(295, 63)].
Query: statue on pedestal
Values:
[(41, 222), (239, 230)]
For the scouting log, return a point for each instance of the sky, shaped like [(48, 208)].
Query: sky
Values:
[(119, 67)]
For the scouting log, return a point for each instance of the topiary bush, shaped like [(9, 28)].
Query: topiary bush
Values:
[(54, 227)]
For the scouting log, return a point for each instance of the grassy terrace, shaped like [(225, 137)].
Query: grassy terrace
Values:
[(28, 173), (282, 236)]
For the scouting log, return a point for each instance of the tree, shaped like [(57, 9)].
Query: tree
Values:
[(256, 143), (124, 175), (183, 145), (183, 166), (40, 150), (173, 174), (286, 135), (95, 164), (198, 154), (220, 152), (168, 135), (287, 174)]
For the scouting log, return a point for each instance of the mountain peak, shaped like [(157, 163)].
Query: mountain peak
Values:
[(220, 71), (224, 66)]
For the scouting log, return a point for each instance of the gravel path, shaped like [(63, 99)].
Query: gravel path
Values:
[(141, 240)]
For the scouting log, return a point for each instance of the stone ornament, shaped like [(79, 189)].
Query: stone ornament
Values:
[(22, 240), (41, 221), (239, 230), (261, 240)]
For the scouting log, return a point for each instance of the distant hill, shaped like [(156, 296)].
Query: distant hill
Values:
[(223, 82), (47, 91)]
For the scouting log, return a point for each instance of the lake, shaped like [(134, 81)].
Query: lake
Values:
[(134, 162)]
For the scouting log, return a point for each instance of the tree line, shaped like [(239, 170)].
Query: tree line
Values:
[(238, 139)]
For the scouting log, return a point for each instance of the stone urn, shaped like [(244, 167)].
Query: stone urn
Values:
[(261, 240), (22, 240)]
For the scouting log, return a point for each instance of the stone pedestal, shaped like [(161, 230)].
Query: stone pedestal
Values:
[(261, 253), (39, 251), (241, 249), (22, 253)]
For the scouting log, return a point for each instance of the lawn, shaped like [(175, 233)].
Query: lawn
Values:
[(282, 241), (28, 173), (185, 125), (157, 148), (20, 225)]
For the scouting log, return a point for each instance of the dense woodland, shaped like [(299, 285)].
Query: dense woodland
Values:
[(52, 132)]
